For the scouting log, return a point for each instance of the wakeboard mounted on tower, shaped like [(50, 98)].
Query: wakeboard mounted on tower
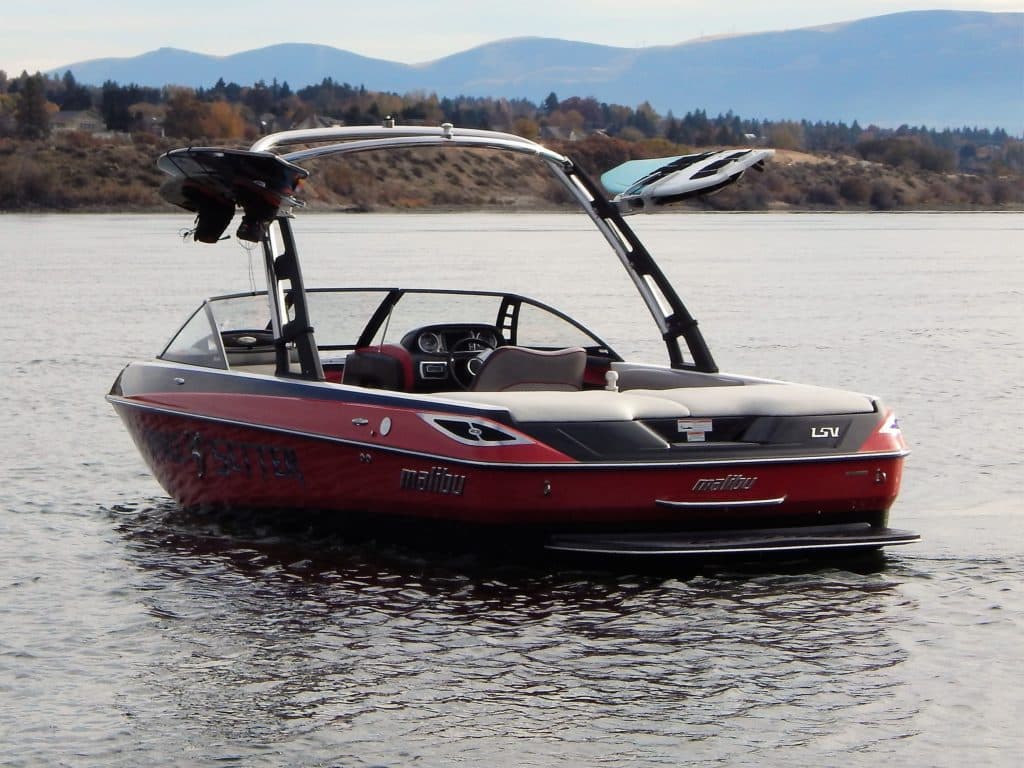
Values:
[(212, 182), (641, 185)]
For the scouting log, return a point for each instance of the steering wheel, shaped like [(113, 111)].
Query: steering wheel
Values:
[(465, 363)]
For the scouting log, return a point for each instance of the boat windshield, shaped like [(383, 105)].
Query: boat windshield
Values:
[(341, 316), (227, 329), (237, 320), (197, 343)]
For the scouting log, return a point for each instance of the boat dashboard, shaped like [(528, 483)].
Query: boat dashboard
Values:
[(442, 339), (446, 355)]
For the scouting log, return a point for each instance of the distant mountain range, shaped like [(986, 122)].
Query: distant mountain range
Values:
[(935, 68)]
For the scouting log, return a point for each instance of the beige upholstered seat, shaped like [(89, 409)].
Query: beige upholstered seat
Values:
[(781, 399), (518, 368)]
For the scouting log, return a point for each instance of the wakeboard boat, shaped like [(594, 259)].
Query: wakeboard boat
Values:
[(489, 411)]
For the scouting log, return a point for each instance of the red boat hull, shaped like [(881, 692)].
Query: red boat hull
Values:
[(342, 463)]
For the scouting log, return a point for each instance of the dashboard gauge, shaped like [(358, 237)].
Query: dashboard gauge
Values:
[(429, 342)]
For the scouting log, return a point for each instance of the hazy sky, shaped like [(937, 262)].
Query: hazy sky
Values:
[(45, 34)]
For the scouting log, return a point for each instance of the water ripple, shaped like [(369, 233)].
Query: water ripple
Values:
[(136, 634)]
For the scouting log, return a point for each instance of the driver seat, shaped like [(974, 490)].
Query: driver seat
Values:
[(383, 366), (509, 369)]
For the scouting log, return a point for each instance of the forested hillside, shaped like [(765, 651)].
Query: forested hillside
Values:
[(53, 159)]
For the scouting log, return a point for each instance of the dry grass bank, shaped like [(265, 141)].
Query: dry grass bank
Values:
[(76, 172)]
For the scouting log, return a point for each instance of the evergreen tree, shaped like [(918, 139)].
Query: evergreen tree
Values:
[(75, 97), (114, 104), (31, 115)]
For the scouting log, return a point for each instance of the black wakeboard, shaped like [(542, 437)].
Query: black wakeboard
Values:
[(213, 182)]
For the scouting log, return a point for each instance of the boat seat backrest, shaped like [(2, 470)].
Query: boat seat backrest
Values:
[(386, 366), (520, 368)]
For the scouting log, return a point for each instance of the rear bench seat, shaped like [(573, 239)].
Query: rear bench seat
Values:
[(588, 405), (764, 400), (678, 402)]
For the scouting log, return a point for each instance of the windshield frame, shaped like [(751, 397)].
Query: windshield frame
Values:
[(505, 320)]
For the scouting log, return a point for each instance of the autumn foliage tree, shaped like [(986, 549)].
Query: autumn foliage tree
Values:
[(221, 120), (184, 114)]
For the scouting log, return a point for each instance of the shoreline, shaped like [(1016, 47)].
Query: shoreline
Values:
[(77, 173)]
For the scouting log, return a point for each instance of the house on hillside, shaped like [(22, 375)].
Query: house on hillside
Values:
[(148, 118), (86, 121)]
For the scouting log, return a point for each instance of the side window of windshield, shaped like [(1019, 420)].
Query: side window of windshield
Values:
[(196, 343), (539, 328), (340, 316), (250, 312), (418, 309)]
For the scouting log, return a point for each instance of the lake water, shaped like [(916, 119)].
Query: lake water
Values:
[(132, 633)]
